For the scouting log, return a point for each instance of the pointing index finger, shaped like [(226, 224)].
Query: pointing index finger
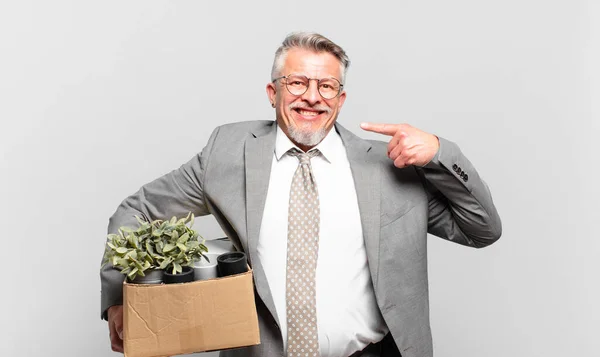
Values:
[(385, 129)]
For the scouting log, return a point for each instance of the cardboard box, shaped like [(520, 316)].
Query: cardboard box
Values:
[(205, 315)]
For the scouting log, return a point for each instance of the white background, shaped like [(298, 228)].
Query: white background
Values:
[(98, 98)]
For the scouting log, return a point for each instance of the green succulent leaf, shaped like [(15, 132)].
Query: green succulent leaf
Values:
[(138, 265), (165, 263), (122, 262), (149, 248), (132, 254), (184, 238), (182, 247), (113, 237), (168, 247)]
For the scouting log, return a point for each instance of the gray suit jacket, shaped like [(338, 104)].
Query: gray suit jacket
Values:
[(398, 207)]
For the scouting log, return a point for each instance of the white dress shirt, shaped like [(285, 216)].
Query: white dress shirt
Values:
[(348, 318)]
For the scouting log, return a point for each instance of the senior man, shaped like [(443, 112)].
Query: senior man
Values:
[(335, 227)]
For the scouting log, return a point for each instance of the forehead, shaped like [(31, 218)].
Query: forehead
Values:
[(311, 64)]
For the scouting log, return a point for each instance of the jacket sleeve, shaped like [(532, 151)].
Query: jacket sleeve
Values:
[(461, 209), (174, 194)]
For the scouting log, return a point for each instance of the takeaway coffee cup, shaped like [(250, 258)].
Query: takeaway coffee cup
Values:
[(205, 270), (232, 263)]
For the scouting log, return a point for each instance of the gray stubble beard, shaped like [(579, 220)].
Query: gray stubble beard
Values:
[(307, 138)]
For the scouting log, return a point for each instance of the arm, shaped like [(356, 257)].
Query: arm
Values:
[(460, 203), (174, 194), (460, 206)]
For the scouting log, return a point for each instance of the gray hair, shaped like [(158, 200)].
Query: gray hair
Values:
[(309, 41)]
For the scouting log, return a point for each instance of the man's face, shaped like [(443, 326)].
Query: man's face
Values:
[(306, 119)]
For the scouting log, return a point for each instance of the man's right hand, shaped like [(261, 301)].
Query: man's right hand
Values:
[(115, 326)]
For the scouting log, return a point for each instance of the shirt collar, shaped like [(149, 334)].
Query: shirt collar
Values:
[(330, 147)]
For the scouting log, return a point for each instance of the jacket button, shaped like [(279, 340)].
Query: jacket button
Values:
[(455, 167), (466, 178)]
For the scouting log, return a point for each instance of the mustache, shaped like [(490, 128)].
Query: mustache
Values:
[(302, 105)]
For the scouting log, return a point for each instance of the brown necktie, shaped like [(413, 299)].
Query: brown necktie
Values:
[(302, 253)]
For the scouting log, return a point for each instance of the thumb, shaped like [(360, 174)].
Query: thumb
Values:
[(385, 129), (120, 332)]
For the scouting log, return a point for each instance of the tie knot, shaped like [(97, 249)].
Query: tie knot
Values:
[(304, 158)]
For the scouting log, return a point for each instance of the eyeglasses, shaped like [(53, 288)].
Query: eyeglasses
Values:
[(329, 88)]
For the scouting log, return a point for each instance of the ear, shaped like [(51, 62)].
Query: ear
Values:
[(342, 99), (272, 93)]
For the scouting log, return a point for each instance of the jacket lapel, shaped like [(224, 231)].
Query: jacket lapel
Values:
[(366, 174), (258, 157)]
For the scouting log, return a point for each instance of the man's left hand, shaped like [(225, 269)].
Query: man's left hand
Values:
[(408, 145)]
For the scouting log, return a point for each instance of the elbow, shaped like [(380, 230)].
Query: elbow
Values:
[(492, 235), (497, 232), (495, 228)]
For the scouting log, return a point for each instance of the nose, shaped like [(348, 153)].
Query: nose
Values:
[(312, 95)]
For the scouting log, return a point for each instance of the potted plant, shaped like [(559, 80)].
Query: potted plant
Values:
[(131, 250), (179, 247), (156, 251)]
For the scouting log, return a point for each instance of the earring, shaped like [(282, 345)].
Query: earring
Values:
[(273, 104)]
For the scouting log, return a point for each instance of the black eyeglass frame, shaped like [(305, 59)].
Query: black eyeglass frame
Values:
[(310, 79)]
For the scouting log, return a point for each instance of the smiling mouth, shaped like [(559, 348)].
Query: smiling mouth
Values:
[(308, 113)]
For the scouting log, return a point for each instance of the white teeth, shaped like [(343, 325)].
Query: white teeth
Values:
[(307, 113)]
